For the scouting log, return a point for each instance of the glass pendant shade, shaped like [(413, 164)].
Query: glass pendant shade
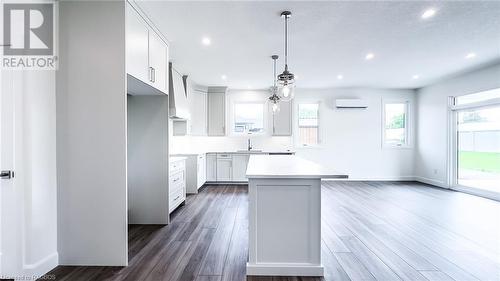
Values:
[(287, 92), (275, 107)]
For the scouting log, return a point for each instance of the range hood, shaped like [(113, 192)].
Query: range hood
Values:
[(177, 98)]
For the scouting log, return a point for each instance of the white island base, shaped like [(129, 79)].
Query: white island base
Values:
[(285, 216)]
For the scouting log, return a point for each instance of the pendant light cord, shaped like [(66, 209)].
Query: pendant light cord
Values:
[(286, 42), (274, 80)]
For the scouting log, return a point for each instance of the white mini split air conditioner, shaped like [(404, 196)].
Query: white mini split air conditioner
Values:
[(351, 103)]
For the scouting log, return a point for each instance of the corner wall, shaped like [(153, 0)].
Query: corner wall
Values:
[(432, 104), (92, 134)]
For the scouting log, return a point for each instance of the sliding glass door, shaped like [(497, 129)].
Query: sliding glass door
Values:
[(476, 144), (478, 152)]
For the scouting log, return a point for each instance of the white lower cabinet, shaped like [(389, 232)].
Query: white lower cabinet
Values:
[(224, 167), (202, 170), (240, 162), (211, 162), (229, 167), (196, 173), (177, 183)]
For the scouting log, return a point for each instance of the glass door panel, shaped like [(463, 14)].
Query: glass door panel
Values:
[(478, 148)]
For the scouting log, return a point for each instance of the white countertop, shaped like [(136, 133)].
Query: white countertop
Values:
[(233, 152), (175, 159), (287, 166)]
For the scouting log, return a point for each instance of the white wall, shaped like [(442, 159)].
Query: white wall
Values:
[(432, 102), (91, 134), (351, 139), (147, 155)]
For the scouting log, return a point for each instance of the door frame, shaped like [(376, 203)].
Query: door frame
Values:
[(452, 136)]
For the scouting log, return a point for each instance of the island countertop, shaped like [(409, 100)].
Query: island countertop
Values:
[(288, 166)]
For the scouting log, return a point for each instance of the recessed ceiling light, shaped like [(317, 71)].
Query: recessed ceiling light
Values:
[(470, 55), (429, 13), (369, 56), (206, 41), (340, 77), (223, 77), (416, 76)]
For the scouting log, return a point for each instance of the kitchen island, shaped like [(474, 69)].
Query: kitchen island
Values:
[(285, 215)]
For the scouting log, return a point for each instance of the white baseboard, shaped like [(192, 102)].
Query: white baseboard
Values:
[(434, 182), (283, 269), (42, 266), (478, 192), (398, 178)]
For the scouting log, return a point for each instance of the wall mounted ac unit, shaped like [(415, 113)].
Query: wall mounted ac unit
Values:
[(351, 103)]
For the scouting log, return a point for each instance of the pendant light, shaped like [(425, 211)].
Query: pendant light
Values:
[(274, 99), (286, 79)]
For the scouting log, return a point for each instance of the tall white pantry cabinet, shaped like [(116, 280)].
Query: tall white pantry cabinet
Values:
[(104, 152)]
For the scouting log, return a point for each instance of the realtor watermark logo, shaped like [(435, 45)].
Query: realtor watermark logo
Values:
[(28, 36)]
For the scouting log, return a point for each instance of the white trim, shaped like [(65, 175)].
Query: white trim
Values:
[(408, 123), (433, 182), (478, 192), (42, 266), (284, 269), (482, 104), (397, 178), (266, 127), (451, 151), (295, 115)]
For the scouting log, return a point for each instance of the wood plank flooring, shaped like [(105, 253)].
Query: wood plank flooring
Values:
[(370, 230)]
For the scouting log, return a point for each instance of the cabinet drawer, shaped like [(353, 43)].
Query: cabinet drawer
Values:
[(224, 156), (176, 166), (175, 199), (176, 187), (176, 178)]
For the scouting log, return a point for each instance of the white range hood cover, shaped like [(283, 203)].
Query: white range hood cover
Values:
[(177, 96)]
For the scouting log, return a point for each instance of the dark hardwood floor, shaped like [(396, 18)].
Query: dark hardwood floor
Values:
[(371, 231)]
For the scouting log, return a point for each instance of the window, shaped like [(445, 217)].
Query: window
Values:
[(395, 131), (308, 122), (248, 118)]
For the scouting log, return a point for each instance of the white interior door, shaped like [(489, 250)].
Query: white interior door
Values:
[(9, 241)]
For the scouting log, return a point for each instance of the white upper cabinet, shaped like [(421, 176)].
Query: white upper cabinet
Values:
[(137, 46), (216, 111), (158, 56), (197, 100), (282, 121), (147, 53)]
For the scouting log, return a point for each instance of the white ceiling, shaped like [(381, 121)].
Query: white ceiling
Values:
[(328, 38)]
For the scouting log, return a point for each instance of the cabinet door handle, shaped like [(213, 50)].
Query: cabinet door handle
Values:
[(150, 74), (154, 74)]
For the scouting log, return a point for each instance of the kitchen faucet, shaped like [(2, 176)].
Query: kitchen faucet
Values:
[(249, 144)]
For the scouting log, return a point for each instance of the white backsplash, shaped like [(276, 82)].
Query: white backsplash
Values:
[(185, 144)]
